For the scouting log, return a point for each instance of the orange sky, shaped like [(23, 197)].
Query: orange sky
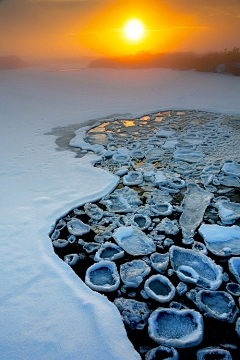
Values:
[(68, 28)]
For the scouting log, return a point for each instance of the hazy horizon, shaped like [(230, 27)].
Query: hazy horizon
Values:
[(67, 29)]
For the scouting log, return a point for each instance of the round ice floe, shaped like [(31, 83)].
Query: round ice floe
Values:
[(120, 158), (93, 211), (181, 289), (189, 156), (198, 246), (162, 352), (177, 183), (234, 267), (109, 251), (77, 227), (200, 269), (134, 313), (221, 240), (177, 328), (213, 353), (103, 276), (163, 209), (141, 221), (153, 155), (71, 259), (159, 288), (60, 243), (233, 289), (231, 168), (135, 242), (133, 272), (137, 154), (144, 167), (133, 178), (217, 304), (159, 262)]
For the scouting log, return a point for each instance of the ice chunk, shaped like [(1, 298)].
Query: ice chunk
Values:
[(177, 328), (159, 288), (162, 352), (116, 203), (133, 241), (60, 243), (213, 353), (160, 178), (141, 221), (133, 178), (71, 259), (198, 246), (234, 267), (103, 276), (163, 209), (144, 167), (228, 211), (217, 304), (221, 240), (120, 157), (181, 289), (159, 262), (231, 169), (189, 156), (165, 133), (230, 181), (134, 313), (195, 267), (77, 227), (153, 155), (168, 226), (194, 205), (109, 251), (133, 272), (233, 289), (93, 211), (137, 154)]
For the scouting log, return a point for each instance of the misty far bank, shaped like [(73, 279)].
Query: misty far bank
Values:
[(223, 62)]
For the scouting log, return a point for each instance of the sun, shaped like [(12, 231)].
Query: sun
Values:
[(134, 29)]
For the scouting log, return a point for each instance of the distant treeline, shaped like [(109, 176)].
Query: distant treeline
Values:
[(224, 62), (11, 62)]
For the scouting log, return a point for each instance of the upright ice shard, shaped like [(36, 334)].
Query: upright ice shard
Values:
[(194, 204)]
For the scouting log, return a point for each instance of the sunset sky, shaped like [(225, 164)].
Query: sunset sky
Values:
[(73, 28)]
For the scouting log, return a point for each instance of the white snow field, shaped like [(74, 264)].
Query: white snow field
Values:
[(46, 311)]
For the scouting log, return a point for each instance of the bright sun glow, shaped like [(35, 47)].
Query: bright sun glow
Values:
[(134, 29)]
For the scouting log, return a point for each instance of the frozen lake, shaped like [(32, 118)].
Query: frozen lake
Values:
[(46, 311)]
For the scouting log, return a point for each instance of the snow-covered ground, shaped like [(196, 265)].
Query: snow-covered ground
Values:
[(46, 312)]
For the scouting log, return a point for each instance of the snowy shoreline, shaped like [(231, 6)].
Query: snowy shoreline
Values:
[(43, 304)]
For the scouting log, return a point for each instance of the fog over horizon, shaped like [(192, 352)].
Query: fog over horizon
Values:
[(52, 29)]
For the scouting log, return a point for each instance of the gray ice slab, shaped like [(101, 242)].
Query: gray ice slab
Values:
[(194, 204)]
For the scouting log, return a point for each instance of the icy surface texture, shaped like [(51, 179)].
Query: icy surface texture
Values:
[(141, 221), (233, 289), (134, 241), (162, 352), (177, 328), (194, 205), (221, 240), (93, 211), (134, 313), (237, 326), (133, 178), (213, 353), (194, 267), (103, 276), (217, 304), (133, 272), (160, 288)]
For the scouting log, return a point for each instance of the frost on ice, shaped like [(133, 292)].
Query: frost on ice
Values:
[(133, 272), (103, 276), (160, 288), (177, 328)]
